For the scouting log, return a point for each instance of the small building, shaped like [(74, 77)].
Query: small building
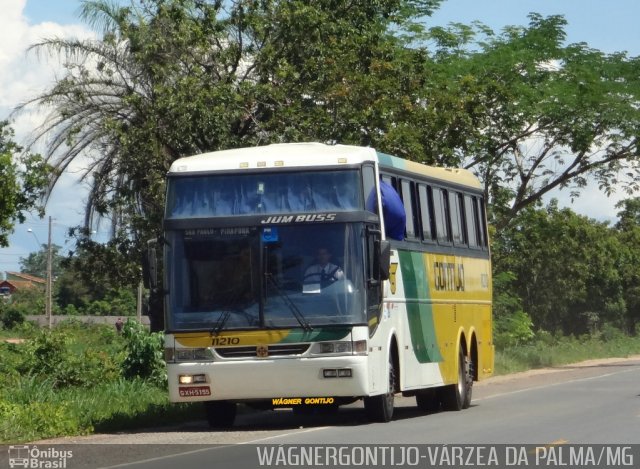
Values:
[(19, 281)]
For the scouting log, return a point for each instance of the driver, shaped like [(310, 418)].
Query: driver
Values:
[(323, 273)]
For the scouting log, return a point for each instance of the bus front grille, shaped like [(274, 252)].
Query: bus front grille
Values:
[(277, 350)]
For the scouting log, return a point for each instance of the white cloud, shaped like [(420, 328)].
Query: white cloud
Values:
[(592, 202), (24, 75)]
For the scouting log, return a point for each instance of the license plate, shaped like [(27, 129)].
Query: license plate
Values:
[(194, 391)]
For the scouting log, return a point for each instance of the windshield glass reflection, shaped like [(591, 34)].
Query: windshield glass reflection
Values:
[(285, 276), (247, 194)]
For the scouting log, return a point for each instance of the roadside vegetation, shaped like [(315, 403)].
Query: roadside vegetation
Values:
[(549, 351), (78, 379), (566, 287)]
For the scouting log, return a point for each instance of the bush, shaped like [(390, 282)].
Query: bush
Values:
[(123, 302), (70, 310), (611, 333), (26, 329), (99, 308), (144, 353), (50, 356), (10, 316), (514, 329), (44, 353)]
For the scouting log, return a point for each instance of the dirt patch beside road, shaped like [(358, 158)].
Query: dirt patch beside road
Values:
[(13, 341)]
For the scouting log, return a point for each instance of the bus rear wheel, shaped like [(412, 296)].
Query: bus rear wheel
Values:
[(380, 408), (458, 396), (220, 414)]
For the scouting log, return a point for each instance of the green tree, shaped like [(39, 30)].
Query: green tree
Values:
[(23, 182), (70, 290), (565, 269), (532, 114), (628, 227), (36, 262), (95, 279)]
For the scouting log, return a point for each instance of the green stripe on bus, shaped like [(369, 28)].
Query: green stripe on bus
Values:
[(390, 160), (316, 335), (419, 314)]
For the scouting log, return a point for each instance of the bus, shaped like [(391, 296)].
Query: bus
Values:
[(253, 315)]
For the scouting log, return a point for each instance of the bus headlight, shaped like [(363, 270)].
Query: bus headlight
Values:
[(335, 347), (192, 379), (359, 347)]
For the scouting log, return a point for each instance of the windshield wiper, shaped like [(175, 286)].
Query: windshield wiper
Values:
[(222, 320), (224, 317), (292, 306)]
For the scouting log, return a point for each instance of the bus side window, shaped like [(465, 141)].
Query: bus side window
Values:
[(425, 199), (479, 208), (471, 216), (408, 202), (374, 289), (441, 209), (369, 186), (391, 181), (456, 219)]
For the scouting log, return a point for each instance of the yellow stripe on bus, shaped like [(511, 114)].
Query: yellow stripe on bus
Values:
[(231, 338)]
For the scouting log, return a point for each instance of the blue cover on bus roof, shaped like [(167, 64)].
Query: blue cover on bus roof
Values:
[(395, 218)]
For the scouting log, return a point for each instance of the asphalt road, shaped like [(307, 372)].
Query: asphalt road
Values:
[(593, 402)]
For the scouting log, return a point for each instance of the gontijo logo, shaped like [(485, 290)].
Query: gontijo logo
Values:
[(292, 401), (33, 457)]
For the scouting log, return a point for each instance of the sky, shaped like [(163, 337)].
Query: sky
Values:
[(607, 25)]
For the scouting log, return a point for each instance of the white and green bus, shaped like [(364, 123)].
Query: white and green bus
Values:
[(253, 315)]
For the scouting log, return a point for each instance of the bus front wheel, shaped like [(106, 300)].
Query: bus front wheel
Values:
[(220, 414), (458, 396), (380, 408)]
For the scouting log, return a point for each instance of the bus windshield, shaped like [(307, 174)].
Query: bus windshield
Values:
[(255, 193), (267, 277)]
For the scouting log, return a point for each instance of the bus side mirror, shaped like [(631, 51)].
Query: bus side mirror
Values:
[(385, 259), (150, 266)]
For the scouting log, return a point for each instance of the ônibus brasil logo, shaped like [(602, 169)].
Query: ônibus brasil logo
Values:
[(33, 457)]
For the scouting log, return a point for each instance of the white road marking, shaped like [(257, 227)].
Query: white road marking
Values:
[(577, 380)]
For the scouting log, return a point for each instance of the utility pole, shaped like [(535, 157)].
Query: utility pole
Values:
[(139, 303), (49, 279)]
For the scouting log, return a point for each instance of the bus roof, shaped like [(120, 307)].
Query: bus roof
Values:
[(455, 175), (287, 155), (275, 156)]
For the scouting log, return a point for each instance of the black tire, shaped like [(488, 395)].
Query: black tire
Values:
[(458, 396), (380, 408), (427, 400), (220, 414)]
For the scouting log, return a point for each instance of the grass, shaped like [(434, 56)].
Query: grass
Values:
[(555, 352), (40, 411)]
